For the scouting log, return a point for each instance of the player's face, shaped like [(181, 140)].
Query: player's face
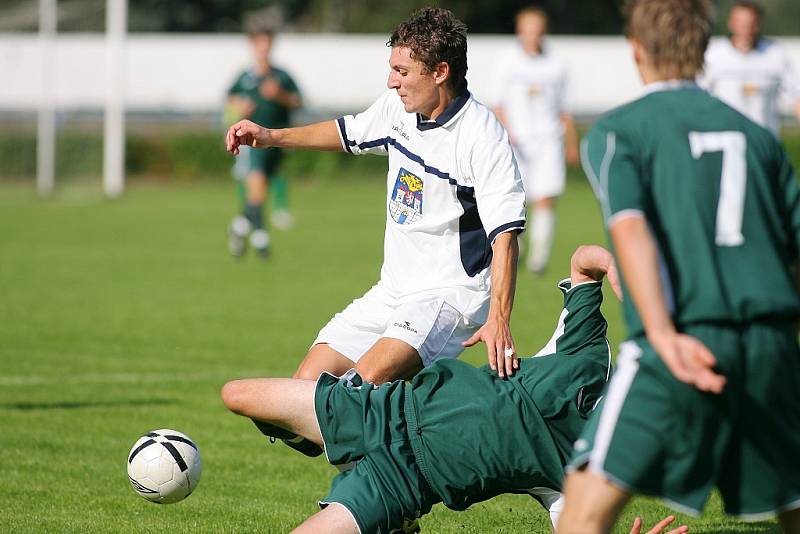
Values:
[(416, 86), (531, 29), (744, 24), (262, 46)]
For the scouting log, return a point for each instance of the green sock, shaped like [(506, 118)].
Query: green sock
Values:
[(279, 187)]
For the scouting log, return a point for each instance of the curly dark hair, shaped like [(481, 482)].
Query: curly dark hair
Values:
[(435, 35)]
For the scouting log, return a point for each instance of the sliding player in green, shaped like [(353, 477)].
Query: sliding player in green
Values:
[(455, 434), (703, 210)]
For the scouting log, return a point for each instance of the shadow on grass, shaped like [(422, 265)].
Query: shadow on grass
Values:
[(30, 406)]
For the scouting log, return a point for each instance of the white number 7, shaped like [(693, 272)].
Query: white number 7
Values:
[(730, 208)]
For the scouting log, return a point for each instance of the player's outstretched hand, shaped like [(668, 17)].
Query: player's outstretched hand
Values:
[(500, 350), (659, 527), (247, 133), (689, 361)]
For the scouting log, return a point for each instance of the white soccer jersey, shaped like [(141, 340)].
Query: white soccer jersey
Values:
[(531, 91), (752, 82), (453, 186)]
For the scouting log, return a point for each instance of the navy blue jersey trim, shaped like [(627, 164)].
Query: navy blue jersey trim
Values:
[(448, 113), (347, 142), (475, 248), (516, 225)]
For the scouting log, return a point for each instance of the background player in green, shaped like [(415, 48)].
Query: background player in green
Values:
[(265, 94), (455, 434), (703, 210)]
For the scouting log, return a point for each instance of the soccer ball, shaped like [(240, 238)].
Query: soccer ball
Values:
[(164, 466)]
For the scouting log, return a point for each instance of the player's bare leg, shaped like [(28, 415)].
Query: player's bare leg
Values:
[(333, 519), (286, 402), (541, 234), (389, 359), (592, 504), (322, 358), (790, 521)]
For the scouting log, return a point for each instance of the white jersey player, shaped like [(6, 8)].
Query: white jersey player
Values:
[(530, 97), (455, 202), (749, 72)]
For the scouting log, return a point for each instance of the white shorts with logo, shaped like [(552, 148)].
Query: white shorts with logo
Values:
[(434, 323), (541, 163)]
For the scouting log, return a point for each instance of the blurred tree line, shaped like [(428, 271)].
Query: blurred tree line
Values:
[(590, 17)]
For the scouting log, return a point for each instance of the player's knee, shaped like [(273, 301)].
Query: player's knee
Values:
[(234, 396)]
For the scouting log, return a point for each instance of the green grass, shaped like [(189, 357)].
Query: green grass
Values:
[(119, 317)]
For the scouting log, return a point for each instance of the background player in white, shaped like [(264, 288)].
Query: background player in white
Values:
[(529, 98), (750, 72), (455, 204)]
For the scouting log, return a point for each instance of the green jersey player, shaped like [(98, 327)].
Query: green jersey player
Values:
[(266, 94), (703, 210), (455, 434)]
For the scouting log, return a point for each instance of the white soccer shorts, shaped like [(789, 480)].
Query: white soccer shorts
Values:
[(541, 163), (434, 323)]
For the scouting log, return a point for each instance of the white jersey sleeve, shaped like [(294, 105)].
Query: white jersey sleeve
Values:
[(499, 192), (790, 88), (367, 132)]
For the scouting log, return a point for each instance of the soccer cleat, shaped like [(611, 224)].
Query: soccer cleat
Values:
[(237, 234), (282, 219), (298, 443), (259, 240)]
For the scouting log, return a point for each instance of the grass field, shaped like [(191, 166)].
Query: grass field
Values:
[(119, 317)]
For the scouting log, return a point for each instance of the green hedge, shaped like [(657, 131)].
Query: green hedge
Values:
[(182, 153), (177, 155)]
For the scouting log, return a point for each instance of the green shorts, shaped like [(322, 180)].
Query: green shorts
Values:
[(656, 435), (250, 159), (367, 425)]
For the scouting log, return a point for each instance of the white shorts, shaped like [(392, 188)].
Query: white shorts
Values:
[(435, 323), (541, 163)]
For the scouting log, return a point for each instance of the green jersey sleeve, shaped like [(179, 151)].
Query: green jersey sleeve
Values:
[(581, 325), (609, 159), (236, 88)]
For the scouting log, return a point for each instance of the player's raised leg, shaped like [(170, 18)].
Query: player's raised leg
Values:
[(285, 402), (333, 519), (593, 503)]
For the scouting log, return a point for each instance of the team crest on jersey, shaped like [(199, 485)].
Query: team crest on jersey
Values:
[(405, 205)]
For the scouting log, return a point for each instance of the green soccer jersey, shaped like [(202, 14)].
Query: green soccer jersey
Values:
[(267, 112), (482, 435), (719, 196)]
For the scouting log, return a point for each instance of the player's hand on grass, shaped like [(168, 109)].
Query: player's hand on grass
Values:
[(659, 527), (247, 133), (689, 360), (502, 355)]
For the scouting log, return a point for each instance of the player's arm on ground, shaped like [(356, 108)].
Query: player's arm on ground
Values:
[(659, 527), (496, 332), (592, 263), (687, 358), (318, 136)]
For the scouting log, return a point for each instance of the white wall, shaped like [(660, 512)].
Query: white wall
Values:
[(335, 72)]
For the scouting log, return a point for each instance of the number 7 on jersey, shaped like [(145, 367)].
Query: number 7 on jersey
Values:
[(730, 208)]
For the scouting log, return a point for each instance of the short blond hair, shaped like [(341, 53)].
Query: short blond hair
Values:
[(535, 11), (674, 33)]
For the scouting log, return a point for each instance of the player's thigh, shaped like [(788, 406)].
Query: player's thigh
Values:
[(592, 503), (286, 401), (335, 519), (389, 359), (654, 434), (790, 520), (322, 358), (761, 473), (354, 330)]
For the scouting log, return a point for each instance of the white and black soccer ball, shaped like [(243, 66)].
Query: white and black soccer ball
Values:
[(164, 466)]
